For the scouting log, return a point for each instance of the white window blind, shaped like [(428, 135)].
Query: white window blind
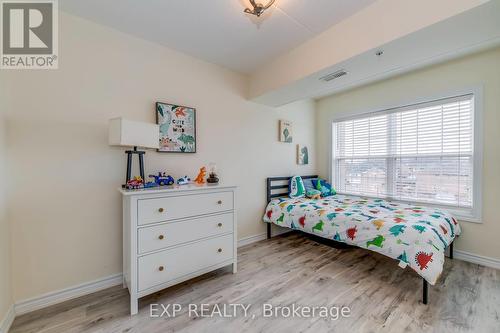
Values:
[(418, 153)]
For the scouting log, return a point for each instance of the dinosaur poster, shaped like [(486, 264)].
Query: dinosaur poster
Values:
[(302, 155), (286, 131), (177, 128)]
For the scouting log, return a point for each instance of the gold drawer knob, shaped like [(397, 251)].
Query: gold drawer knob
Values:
[(161, 210), (161, 237), (219, 225), (161, 268), (219, 250), (219, 202)]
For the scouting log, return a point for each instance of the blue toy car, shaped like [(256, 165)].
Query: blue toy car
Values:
[(150, 185), (183, 180), (163, 179)]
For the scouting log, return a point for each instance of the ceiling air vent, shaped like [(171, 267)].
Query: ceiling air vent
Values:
[(333, 76)]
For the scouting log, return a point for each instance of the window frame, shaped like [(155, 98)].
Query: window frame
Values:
[(473, 214)]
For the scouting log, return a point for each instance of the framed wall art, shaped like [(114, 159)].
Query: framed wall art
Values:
[(286, 131), (177, 128), (302, 155)]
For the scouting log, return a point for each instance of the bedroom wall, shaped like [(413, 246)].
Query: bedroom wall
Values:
[(5, 254), (66, 210), (481, 69)]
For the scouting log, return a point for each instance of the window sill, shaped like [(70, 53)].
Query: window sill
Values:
[(465, 216)]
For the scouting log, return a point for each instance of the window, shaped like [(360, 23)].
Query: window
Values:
[(423, 153)]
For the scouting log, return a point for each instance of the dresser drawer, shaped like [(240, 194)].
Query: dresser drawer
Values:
[(173, 233), (170, 208), (161, 267)]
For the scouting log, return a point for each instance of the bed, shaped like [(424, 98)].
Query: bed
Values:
[(416, 236)]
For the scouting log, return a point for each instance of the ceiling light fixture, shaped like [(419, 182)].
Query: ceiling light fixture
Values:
[(258, 8)]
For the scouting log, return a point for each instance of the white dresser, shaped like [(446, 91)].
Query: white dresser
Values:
[(172, 235)]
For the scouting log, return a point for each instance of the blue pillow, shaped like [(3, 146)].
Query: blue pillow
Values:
[(323, 186), (296, 187), (308, 184)]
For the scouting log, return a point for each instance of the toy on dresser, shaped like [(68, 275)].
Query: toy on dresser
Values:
[(200, 179), (150, 184), (212, 175), (135, 183), (163, 179), (183, 180)]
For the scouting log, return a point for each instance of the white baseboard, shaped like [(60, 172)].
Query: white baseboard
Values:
[(259, 237), (56, 297), (476, 259), (251, 239), (60, 296), (7, 321)]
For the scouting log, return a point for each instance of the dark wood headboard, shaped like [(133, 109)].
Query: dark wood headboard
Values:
[(270, 186), (280, 190)]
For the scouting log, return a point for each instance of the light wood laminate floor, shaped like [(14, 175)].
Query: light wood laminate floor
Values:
[(295, 269)]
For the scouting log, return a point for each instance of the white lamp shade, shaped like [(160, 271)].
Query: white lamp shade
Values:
[(128, 133)]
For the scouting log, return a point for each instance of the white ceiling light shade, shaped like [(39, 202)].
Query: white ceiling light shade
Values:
[(258, 8)]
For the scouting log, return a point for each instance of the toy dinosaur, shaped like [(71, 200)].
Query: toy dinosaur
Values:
[(200, 179)]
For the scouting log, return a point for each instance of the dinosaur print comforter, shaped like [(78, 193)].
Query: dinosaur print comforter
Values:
[(416, 236)]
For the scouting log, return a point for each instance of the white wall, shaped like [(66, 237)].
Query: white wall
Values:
[(66, 210), (5, 255), (482, 69)]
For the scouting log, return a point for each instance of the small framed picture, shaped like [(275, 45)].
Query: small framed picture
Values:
[(177, 128), (286, 131), (302, 155)]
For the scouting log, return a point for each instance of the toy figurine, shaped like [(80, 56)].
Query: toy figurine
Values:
[(184, 180), (200, 179), (163, 179), (135, 183), (150, 185)]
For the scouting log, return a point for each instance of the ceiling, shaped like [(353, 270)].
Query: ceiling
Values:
[(217, 30), (472, 31)]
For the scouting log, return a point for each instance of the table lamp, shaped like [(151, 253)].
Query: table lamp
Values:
[(128, 133)]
